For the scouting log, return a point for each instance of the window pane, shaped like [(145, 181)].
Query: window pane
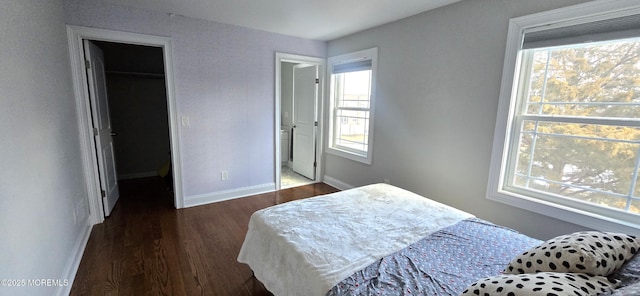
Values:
[(599, 80), (352, 129), (355, 89), (590, 162)]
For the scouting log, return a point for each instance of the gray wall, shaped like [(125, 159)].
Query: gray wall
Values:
[(224, 82), (439, 78), (43, 219)]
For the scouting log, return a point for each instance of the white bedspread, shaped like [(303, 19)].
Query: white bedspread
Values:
[(306, 247)]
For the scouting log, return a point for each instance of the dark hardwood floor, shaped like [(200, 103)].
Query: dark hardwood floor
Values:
[(147, 247)]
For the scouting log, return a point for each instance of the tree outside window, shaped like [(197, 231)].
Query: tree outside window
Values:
[(578, 132)]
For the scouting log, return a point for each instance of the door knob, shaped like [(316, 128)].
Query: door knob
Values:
[(113, 134)]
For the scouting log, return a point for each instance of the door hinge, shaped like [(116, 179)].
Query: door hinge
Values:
[(103, 193), (87, 64), (95, 131), (315, 164), (317, 80), (315, 123)]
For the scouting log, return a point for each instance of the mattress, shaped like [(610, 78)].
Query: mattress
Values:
[(307, 247)]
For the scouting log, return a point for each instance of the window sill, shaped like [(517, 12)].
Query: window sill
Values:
[(350, 155), (560, 212)]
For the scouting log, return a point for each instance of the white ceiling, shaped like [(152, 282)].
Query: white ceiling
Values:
[(311, 19)]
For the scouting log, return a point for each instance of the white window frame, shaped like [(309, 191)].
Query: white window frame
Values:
[(356, 155), (496, 189)]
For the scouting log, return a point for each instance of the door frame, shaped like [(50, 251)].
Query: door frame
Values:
[(321, 63), (75, 36)]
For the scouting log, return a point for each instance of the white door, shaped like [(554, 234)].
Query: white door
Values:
[(102, 126), (305, 89)]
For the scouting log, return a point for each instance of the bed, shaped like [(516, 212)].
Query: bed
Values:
[(384, 240)]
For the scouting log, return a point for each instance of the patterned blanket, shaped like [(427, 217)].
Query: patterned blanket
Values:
[(443, 263)]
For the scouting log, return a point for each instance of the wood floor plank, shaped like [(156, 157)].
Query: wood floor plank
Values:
[(147, 247)]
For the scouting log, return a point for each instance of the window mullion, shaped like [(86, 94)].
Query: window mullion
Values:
[(584, 120), (544, 84), (634, 181), (353, 109), (532, 150)]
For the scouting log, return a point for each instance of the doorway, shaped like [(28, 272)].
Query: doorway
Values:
[(77, 36), (137, 105), (299, 89)]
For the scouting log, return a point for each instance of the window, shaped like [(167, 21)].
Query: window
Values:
[(567, 140), (351, 103)]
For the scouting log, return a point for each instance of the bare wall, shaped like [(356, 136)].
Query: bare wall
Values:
[(43, 209), (439, 78)]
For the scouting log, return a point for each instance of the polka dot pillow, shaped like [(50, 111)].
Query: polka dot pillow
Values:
[(592, 252), (543, 283)]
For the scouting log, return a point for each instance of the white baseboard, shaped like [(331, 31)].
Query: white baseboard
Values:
[(207, 198), (73, 263), (336, 183), (137, 175)]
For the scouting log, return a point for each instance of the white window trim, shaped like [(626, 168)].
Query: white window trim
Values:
[(371, 54), (506, 108)]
